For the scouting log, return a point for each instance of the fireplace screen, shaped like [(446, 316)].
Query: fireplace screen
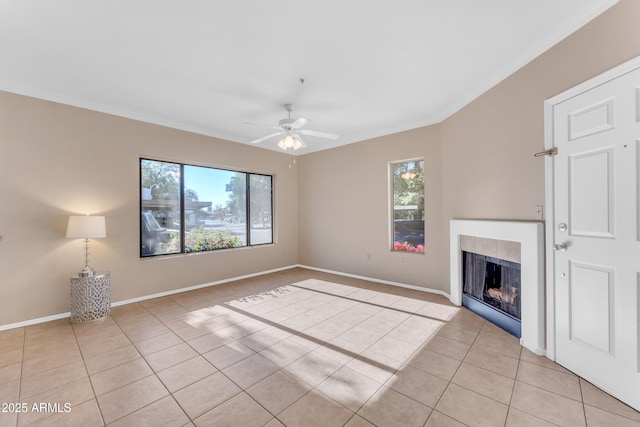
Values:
[(492, 281)]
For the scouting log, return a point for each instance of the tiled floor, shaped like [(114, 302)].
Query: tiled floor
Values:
[(296, 348)]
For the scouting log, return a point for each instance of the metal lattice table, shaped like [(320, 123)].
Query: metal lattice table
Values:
[(90, 298)]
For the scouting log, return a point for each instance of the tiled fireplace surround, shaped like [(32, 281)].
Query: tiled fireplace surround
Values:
[(501, 249), (516, 241)]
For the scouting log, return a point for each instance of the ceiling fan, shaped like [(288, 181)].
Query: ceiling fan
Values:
[(292, 129)]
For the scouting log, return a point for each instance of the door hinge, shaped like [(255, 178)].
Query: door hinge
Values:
[(550, 152)]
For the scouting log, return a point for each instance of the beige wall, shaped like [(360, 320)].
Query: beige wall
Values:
[(57, 160), (487, 146), (345, 209)]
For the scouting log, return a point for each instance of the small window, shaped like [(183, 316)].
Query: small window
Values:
[(187, 208), (407, 198)]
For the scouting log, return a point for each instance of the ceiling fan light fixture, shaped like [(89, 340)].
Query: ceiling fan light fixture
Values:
[(288, 142)]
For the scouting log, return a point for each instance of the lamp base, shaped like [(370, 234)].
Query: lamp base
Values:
[(87, 272)]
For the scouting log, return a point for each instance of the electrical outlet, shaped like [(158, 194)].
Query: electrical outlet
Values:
[(539, 212)]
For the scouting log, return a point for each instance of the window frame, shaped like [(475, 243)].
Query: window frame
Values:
[(247, 208), (392, 210)]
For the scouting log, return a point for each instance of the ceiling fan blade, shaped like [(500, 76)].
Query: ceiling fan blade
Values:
[(264, 138), (319, 134), (299, 122)]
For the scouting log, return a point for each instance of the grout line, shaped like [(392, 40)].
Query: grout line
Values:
[(153, 372), (95, 396), (373, 304), (358, 355), (295, 333), (24, 345), (316, 340), (450, 380), (584, 409), (199, 354), (513, 387), (205, 293)]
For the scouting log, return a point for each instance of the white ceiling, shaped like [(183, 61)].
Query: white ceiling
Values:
[(370, 67)]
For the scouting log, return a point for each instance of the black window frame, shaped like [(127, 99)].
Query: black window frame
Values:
[(182, 230)]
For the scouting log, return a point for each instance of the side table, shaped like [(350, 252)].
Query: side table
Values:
[(90, 298)]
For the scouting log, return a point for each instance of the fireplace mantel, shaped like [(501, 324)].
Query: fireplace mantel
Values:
[(530, 235)]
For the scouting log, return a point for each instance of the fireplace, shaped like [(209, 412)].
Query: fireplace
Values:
[(491, 288), (518, 242)]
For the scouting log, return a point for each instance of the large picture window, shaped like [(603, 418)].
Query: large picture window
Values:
[(186, 208), (407, 198)]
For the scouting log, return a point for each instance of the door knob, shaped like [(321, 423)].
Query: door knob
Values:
[(560, 247)]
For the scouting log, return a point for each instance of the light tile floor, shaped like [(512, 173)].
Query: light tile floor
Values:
[(295, 348)]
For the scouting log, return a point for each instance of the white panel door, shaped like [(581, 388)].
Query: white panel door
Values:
[(596, 240)]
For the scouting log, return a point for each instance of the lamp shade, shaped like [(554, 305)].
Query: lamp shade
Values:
[(86, 227)]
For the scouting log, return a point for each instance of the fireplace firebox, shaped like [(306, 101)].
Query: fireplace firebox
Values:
[(492, 289), (517, 241)]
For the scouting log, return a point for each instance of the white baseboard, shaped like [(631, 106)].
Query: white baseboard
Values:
[(220, 282), (143, 298), (373, 279), (536, 350), (204, 285), (34, 321)]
